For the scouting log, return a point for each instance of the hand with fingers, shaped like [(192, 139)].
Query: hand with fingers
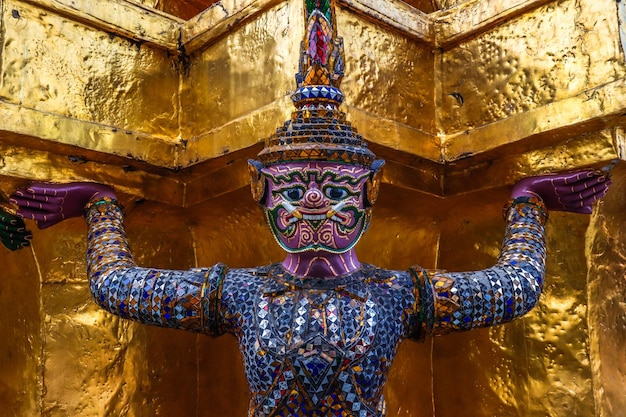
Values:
[(573, 191), (49, 204), (13, 233)]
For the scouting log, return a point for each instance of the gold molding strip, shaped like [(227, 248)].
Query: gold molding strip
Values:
[(223, 17), (398, 15), (619, 142), (134, 21), (203, 182), (242, 133), (591, 109), (213, 184), (42, 165), (395, 135), (594, 109), (426, 178), (127, 19), (594, 149), (473, 17), (88, 135), (439, 29), (239, 134), (415, 153)]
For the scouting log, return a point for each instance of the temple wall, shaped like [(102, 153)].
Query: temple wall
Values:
[(21, 349), (389, 98), (67, 357), (229, 92), (53, 64), (606, 290), (461, 105), (536, 366), (560, 50), (541, 74), (396, 86)]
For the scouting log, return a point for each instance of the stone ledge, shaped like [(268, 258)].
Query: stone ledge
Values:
[(121, 17), (590, 110), (23, 161), (145, 24)]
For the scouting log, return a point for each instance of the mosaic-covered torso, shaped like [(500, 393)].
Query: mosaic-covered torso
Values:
[(316, 347)]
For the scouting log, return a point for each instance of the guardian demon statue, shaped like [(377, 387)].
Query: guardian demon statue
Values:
[(319, 331)]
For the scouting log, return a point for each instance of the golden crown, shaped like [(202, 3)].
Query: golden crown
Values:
[(318, 130)]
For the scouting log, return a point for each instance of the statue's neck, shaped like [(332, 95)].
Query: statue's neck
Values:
[(321, 264)]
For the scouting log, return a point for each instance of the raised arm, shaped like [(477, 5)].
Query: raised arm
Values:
[(452, 301), (151, 296)]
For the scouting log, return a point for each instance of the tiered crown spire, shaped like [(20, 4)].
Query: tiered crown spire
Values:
[(321, 59), (318, 130)]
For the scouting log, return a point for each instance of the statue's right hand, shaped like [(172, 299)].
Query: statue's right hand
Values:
[(13, 232), (49, 204)]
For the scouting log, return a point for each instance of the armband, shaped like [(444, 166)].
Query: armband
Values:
[(100, 202), (519, 203)]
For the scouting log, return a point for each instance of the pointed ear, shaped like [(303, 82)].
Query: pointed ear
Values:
[(258, 183), (373, 182)]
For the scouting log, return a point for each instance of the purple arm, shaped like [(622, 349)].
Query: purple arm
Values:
[(152, 296), (574, 191), (49, 204), (509, 289)]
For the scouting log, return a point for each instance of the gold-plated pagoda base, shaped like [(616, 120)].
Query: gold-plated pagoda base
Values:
[(462, 98)]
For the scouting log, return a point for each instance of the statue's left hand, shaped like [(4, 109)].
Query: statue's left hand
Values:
[(13, 233), (573, 191)]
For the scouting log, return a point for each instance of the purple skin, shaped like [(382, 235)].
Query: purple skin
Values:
[(302, 193), (574, 192), (49, 204)]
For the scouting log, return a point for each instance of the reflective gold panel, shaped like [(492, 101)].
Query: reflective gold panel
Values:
[(396, 85), (54, 65), (532, 367), (606, 290), (166, 101), (553, 53), (21, 333)]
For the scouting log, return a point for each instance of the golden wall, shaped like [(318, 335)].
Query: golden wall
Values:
[(165, 101)]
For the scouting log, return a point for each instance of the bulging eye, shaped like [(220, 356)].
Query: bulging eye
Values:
[(335, 193), (293, 194)]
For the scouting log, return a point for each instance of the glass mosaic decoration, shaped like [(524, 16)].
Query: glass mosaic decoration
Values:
[(318, 343), (317, 332), (318, 346)]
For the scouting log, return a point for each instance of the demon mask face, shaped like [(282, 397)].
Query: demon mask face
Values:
[(316, 205)]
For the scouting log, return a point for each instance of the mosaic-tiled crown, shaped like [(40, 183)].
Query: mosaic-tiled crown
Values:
[(318, 130)]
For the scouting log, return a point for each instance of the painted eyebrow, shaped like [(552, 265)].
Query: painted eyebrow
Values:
[(303, 176), (346, 178), (292, 176)]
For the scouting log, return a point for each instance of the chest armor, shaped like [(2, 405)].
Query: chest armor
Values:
[(319, 347)]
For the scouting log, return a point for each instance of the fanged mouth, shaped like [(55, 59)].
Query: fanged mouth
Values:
[(333, 213)]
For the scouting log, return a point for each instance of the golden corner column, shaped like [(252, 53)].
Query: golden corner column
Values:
[(539, 90)]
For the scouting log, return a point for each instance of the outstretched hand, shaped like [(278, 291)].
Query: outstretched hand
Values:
[(573, 191), (49, 204), (13, 233)]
